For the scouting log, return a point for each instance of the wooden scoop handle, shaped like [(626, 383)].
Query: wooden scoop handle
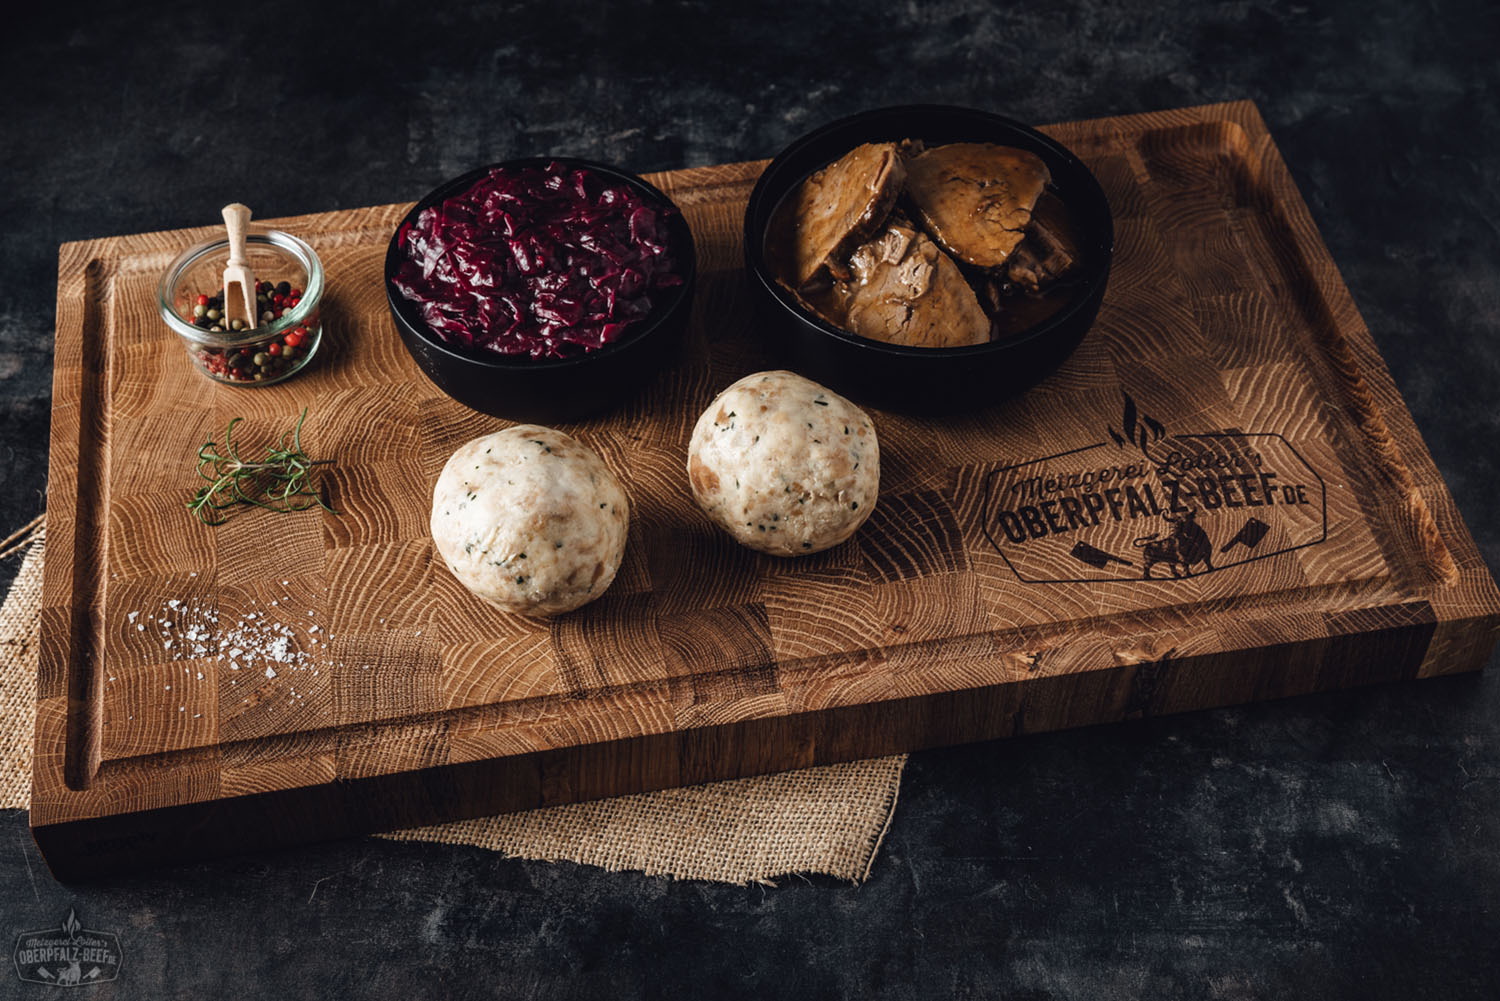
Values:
[(236, 221)]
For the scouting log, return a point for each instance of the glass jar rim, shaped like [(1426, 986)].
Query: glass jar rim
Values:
[(286, 242)]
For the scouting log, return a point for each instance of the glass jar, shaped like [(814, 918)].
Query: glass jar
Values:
[(288, 327)]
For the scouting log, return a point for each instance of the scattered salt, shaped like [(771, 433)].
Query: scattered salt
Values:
[(255, 640)]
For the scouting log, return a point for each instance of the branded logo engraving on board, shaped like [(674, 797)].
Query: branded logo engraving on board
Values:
[(68, 956), (1146, 504)]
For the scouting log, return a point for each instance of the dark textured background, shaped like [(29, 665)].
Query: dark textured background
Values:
[(1345, 846)]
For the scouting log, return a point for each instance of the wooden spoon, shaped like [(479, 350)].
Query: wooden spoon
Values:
[(239, 283)]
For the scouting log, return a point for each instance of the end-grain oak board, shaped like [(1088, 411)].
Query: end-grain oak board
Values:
[(1220, 498)]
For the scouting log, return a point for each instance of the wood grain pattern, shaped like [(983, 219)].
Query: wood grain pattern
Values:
[(282, 679)]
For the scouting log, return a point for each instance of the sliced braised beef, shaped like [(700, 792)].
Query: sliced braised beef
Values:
[(904, 290), (984, 223), (976, 199), (841, 206), (1048, 252)]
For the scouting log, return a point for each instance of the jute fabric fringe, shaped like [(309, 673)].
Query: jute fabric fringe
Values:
[(20, 618), (820, 820)]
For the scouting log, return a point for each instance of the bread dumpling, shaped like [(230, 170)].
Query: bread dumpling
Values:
[(784, 465), (530, 520)]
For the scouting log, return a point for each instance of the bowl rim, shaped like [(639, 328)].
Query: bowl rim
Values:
[(287, 243), (754, 241), (403, 309)]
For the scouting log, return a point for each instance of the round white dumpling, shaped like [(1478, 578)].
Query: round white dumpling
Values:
[(530, 520), (784, 465)]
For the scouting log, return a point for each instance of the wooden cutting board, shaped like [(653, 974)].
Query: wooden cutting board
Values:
[(1220, 498)]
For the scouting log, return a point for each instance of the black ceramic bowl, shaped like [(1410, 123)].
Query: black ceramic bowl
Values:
[(906, 378), (548, 391)]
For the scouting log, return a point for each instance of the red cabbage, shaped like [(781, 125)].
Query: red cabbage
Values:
[(550, 262)]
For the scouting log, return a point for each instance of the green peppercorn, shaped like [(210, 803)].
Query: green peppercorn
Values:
[(199, 310), (260, 359), (216, 327), (236, 324), (213, 314), (288, 352)]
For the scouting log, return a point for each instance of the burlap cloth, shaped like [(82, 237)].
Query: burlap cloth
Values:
[(826, 820)]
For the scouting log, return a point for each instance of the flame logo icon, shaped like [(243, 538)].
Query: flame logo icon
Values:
[(1140, 430)]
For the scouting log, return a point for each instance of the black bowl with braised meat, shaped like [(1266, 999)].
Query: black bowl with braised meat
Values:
[(928, 257), (541, 289)]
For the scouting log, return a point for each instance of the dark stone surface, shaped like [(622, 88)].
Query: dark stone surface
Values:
[(1331, 847)]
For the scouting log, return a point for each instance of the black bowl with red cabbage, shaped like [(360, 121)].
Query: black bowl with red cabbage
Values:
[(541, 289)]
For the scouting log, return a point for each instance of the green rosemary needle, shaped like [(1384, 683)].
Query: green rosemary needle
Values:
[(282, 480)]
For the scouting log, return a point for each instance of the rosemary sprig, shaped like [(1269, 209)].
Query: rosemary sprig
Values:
[(280, 481)]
